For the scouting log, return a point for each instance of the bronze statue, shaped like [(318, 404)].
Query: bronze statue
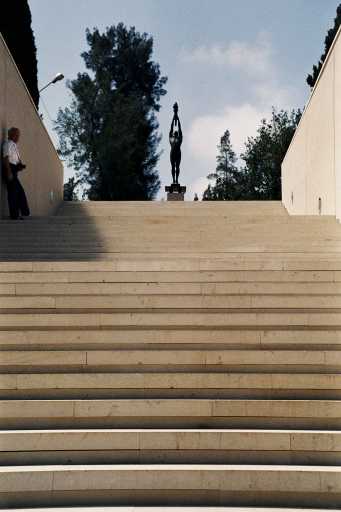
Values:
[(175, 140)]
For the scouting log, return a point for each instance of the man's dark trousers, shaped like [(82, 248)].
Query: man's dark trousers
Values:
[(17, 202)]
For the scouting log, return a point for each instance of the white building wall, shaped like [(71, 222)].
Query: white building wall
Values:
[(311, 170), (43, 178)]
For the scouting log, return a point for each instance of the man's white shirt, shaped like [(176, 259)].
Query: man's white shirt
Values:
[(10, 149)]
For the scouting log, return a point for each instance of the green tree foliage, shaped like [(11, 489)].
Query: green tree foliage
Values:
[(265, 153), (225, 176), (109, 134), (312, 78), (15, 27), (259, 177), (69, 190)]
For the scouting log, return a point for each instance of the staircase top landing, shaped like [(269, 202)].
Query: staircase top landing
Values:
[(212, 208)]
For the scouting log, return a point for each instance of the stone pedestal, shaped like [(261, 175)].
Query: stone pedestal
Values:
[(175, 192)]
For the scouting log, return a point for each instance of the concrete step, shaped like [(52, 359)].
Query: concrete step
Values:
[(135, 207), (198, 229), (102, 258), (172, 301), (166, 217), (160, 316), (105, 255), (170, 413), (92, 249), (218, 280), (82, 234), (45, 319), (110, 231), (33, 447), (171, 360), (165, 384), (221, 290), (178, 338), (167, 509), (121, 262), (112, 227), (121, 219), (170, 484)]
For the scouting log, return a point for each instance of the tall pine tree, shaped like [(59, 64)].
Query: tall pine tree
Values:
[(312, 78), (70, 190), (259, 178), (224, 178), (15, 27), (264, 154), (109, 134)]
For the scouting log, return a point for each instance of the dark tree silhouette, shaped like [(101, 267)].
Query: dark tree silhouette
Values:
[(69, 190), (15, 27), (259, 178), (226, 172), (312, 78), (109, 134)]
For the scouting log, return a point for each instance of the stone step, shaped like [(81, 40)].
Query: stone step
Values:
[(83, 234), (168, 302), (166, 509), (240, 206), (135, 384), (173, 216), (267, 236), (221, 290), (171, 413), (196, 359), (113, 226), (259, 485), (155, 222), (91, 260), (169, 246), (110, 228), (109, 231), (168, 217), (218, 280), (164, 446), (135, 207), (178, 338), (105, 255), (163, 263), (46, 319)]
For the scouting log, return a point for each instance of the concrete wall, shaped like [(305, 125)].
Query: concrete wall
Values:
[(311, 170), (43, 178)]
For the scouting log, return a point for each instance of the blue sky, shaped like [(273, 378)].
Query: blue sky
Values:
[(228, 62)]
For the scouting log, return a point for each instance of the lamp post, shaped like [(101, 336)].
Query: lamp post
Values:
[(56, 79)]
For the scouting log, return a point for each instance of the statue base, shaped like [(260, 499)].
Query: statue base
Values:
[(175, 192)]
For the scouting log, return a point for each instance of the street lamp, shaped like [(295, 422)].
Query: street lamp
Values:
[(57, 78)]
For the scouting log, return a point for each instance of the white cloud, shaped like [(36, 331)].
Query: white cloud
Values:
[(252, 59), (257, 86), (243, 119), (197, 187), (271, 93), (205, 131)]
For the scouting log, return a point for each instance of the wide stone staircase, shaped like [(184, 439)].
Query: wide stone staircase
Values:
[(170, 354)]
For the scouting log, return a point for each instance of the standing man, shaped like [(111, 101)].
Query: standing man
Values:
[(12, 164)]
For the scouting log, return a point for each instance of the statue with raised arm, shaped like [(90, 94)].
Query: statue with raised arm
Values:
[(175, 140)]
